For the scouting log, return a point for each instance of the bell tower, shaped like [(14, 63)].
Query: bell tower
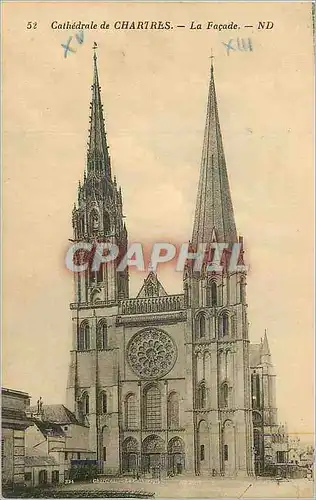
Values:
[(98, 214), (97, 217), (217, 318)]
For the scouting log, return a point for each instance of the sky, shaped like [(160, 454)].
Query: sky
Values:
[(154, 91)]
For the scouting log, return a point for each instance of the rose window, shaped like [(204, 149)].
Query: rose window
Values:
[(151, 353)]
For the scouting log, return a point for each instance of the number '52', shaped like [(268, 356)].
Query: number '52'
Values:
[(31, 25)]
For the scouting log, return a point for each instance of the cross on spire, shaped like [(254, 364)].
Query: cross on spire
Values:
[(212, 58)]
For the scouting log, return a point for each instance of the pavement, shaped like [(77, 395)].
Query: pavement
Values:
[(204, 487)]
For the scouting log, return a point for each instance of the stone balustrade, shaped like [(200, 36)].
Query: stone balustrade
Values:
[(152, 305)]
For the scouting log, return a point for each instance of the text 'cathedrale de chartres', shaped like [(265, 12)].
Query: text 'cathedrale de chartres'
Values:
[(152, 25)]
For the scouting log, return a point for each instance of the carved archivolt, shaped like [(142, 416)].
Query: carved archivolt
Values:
[(201, 349)]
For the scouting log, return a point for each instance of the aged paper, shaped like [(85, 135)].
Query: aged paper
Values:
[(158, 231)]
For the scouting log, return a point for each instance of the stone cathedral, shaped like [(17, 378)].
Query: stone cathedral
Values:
[(164, 381)]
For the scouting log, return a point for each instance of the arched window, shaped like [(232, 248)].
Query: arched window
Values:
[(255, 389), (242, 290), (201, 396), (224, 395), (186, 294), (99, 274), (213, 294), (223, 325), (233, 325), (201, 325), (131, 412), (82, 226), (152, 408), (94, 221), (107, 223), (103, 402), (85, 404), (102, 335), (173, 411), (84, 337)]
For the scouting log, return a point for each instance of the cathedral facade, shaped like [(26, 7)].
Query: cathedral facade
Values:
[(162, 381)]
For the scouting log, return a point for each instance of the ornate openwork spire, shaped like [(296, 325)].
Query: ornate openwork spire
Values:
[(98, 156), (214, 210)]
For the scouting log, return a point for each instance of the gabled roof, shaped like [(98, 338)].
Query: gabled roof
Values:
[(151, 287), (49, 428), (57, 414)]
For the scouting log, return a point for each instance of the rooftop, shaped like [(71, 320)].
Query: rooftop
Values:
[(13, 392), (34, 458), (57, 414)]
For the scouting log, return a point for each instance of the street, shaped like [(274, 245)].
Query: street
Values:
[(203, 487)]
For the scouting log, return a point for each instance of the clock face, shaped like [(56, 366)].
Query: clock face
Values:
[(151, 353)]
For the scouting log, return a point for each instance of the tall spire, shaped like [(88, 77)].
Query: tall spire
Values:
[(214, 209), (98, 156), (265, 351)]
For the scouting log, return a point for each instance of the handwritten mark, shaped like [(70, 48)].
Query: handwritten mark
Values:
[(79, 37), (229, 46), (67, 47), (238, 45)]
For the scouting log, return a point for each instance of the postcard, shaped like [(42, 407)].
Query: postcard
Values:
[(158, 249)]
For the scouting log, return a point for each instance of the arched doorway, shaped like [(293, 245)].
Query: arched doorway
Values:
[(130, 455), (42, 477), (203, 448), (228, 449), (153, 453), (176, 456), (258, 451)]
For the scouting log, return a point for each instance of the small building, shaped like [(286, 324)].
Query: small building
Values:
[(45, 443), (14, 423), (55, 439), (279, 444), (306, 458), (40, 469)]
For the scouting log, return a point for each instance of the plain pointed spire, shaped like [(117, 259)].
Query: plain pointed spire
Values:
[(214, 208), (98, 156), (265, 350)]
